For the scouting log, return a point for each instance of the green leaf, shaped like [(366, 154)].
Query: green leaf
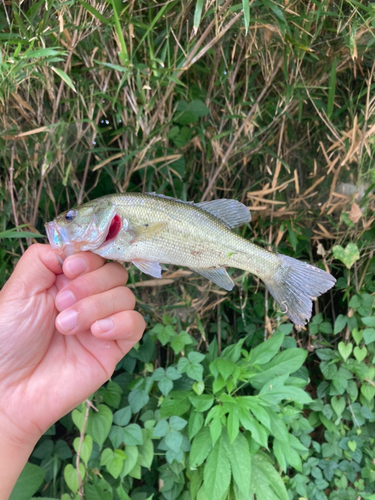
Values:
[(202, 402), (172, 373), (217, 471), (281, 451), (199, 109), (357, 335), (166, 334), (165, 386), (246, 14), (71, 476), (225, 367), (369, 321), (360, 353), (266, 483), (198, 14), (176, 403), (64, 77), (338, 405), (146, 452), (78, 418), (340, 323), (99, 424), (348, 255), (13, 233), (177, 423), (258, 432), (133, 435), (345, 350), (240, 461), (355, 302), (198, 387), (86, 448), (179, 342), (132, 454), (174, 440), (122, 417), (195, 423), (200, 448), (137, 400), (112, 394), (368, 391), (275, 391), (369, 335), (265, 351), (196, 357), (28, 482), (47, 52), (113, 460), (285, 362), (116, 436), (161, 428)]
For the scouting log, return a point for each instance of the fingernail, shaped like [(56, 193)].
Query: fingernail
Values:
[(75, 266), (67, 320), (64, 300), (104, 325)]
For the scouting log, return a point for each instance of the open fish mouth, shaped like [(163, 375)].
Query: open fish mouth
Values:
[(113, 229)]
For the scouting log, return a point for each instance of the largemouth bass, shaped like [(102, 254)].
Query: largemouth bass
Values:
[(149, 230)]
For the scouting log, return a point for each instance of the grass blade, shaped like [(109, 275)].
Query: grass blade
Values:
[(331, 89), (64, 77), (94, 12), (198, 14), (246, 14)]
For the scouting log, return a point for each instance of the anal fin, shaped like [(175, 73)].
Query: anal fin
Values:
[(151, 268), (218, 276)]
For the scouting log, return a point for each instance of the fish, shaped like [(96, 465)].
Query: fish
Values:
[(152, 230)]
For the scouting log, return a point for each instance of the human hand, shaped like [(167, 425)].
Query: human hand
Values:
[(55, 352)]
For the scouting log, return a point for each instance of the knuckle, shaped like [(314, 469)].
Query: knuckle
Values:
[(83, 286), (128, 297), (88, 309)]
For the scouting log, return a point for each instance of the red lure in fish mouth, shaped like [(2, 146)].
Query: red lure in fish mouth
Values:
[(114, 228)]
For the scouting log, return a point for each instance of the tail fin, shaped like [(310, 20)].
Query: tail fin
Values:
[(295, 284)]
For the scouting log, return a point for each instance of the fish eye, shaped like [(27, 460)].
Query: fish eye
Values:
[(71, 215)]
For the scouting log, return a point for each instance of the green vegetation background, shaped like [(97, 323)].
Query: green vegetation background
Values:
[(268, 102)]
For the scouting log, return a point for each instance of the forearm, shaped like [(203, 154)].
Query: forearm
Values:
[(13, 457)]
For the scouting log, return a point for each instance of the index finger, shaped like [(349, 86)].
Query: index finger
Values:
[(34, 273), (82, 263)]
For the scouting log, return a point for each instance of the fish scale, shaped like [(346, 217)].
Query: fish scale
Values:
[(149, 229)]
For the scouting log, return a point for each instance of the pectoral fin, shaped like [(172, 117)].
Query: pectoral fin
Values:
[(147, 230), (218, 276), (151, 268)]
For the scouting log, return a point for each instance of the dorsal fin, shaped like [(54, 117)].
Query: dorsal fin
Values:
[(231, 212), (170, 198)]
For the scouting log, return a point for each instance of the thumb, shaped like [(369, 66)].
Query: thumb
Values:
[(35, 272)]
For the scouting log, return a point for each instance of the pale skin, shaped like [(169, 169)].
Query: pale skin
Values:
[(62, 332)]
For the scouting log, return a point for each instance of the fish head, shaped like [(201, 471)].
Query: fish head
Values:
[(86, 227)]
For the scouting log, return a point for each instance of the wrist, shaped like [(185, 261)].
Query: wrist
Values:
[(15, 449)]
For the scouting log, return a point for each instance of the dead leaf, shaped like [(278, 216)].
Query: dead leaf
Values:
[(320, 250), (355, 213)]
